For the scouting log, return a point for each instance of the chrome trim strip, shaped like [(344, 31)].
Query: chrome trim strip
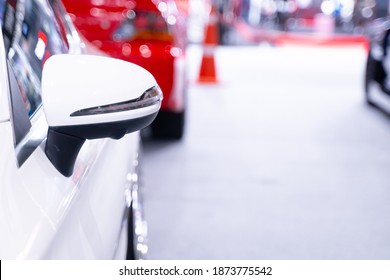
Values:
[(134, 198), (34, 137), (150, 97), (140, 225)]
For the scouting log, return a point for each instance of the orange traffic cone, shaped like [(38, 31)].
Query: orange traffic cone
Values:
[(207, 73)]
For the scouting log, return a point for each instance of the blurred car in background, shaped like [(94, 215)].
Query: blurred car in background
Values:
[(150, 33), (377, 80), (340, 16), (68, 190), (228, 12)]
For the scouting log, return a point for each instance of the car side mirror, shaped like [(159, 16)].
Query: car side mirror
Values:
[(91, 97)]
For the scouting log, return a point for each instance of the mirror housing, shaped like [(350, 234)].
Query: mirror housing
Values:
[(91, 97)]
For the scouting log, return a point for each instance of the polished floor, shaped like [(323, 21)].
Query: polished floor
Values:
[(282, 159)]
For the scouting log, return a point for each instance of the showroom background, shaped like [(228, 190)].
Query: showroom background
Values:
[(281, 156)]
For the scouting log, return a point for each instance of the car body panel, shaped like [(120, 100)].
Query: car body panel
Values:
[(45, 215), (89, 224), (50, 216)]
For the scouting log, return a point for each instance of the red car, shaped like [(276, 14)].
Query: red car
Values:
[(150, 33)]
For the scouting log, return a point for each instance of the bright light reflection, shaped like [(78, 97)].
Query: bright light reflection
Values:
[(126, 49), (40, 49), (142, 248), (175, 52), (162, 6), (145, 51), (327, 7), (94, 12), (171, 20), (367, 12), (304, 3), (97, 2), (130, 14)]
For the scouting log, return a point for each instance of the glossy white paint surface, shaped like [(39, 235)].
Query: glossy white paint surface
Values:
[(89, 217), (44, 215), (95, 81), (20, 217)]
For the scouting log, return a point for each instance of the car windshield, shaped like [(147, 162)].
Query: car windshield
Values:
[(31, 35), (143, 24)]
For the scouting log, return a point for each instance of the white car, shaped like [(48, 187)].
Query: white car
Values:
[(69, 141)]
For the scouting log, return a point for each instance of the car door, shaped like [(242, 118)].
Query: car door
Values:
[(44, 214)]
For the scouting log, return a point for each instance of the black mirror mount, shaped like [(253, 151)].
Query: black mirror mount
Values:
[(64, 143), (62, 150)]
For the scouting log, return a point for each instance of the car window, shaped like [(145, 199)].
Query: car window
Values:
[(1, 10), (31, 35), (143, 24)]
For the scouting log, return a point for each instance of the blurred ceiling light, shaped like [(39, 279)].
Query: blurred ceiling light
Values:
[(163, 7), (367, 12), (327, 7), (347, 7), (304, 3), (171, 20)]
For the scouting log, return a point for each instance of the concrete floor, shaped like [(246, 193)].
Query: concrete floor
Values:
[(282, 159)]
